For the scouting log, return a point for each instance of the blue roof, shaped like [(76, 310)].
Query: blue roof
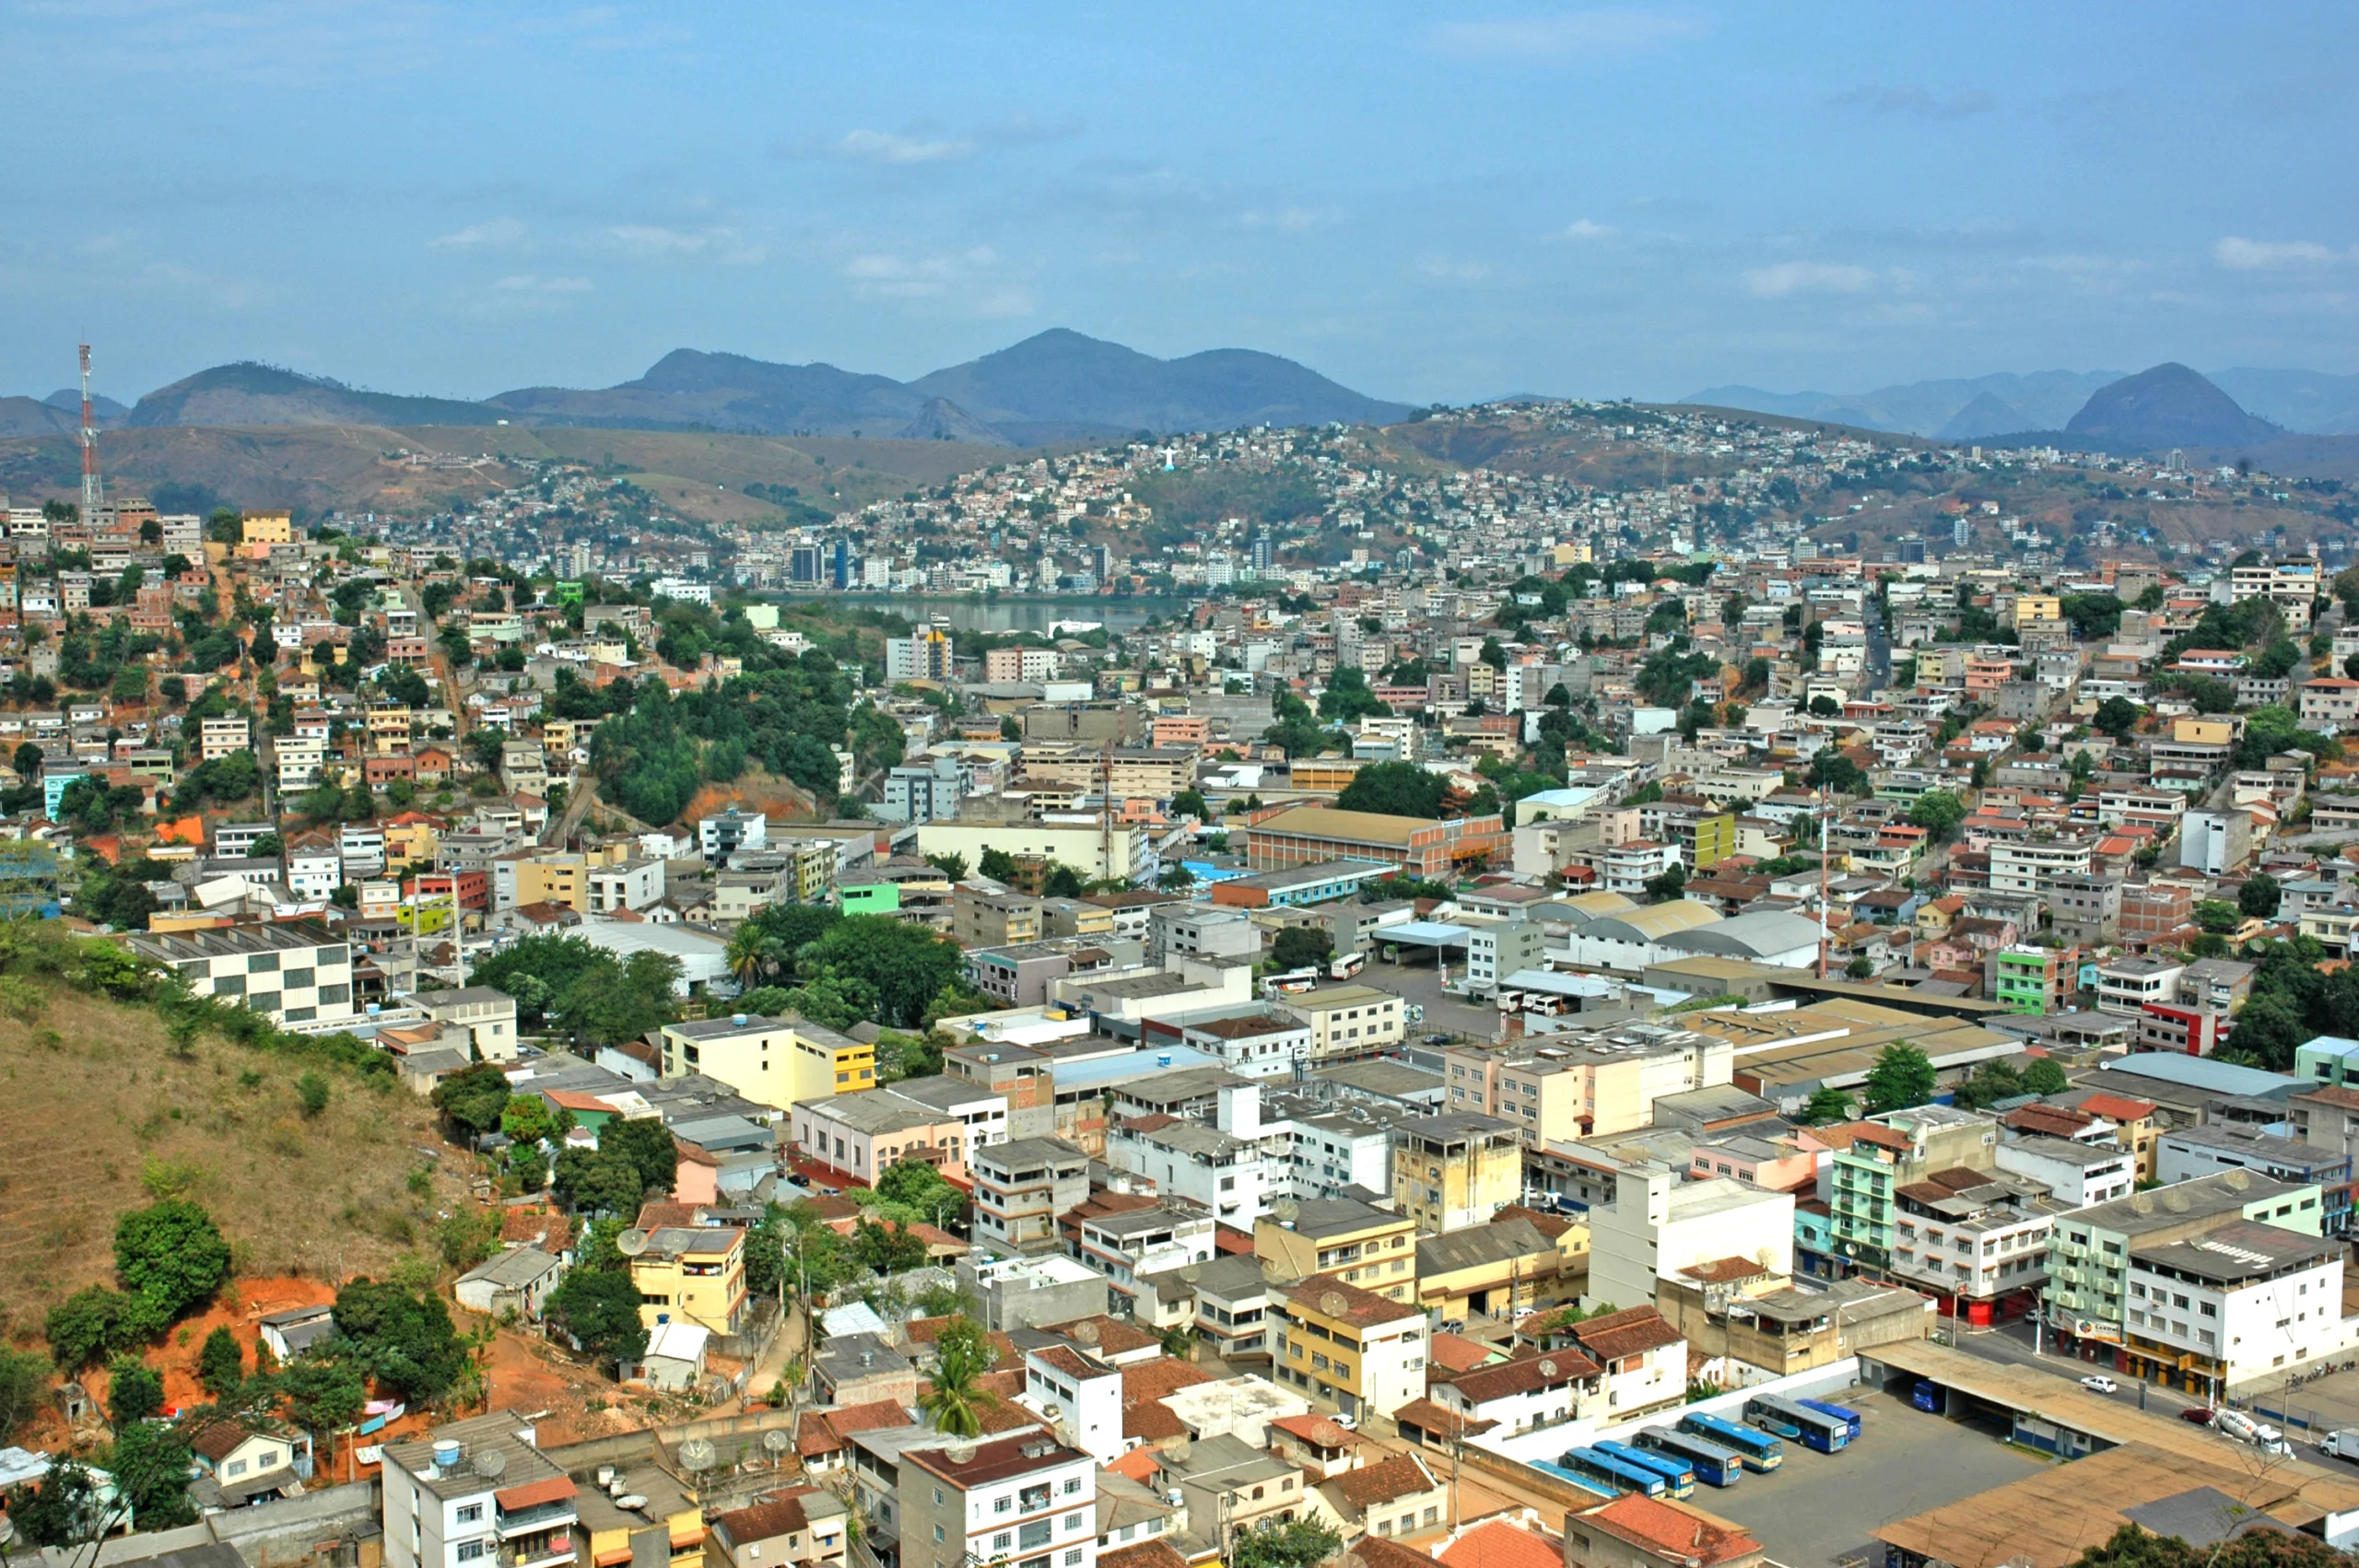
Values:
[(2202, 1072), (1135, 1064), (2333, 1045)]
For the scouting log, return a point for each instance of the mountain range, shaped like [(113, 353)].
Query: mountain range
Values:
[(2304, 401), (1058, 385)]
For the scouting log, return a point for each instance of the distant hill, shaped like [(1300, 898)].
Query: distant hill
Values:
[(1060, 376), (249, 393), (2308, 400), (729, 392), (25, 416), (1988, 414), (2169, 405), (106, 409), (2043, 400)]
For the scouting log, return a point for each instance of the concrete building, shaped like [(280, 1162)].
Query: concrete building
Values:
[(1025, 1292), (1351, 1350), (1455, 1170), (2088, 1257), (1200, 930), (473, 1491), (772, 1061), (1347, 1023), (2237, 1304), (2215, 842), (1890, 1152), (1657, 1225), (1023, 1500), (1022, 1188), (1297, 835), (1341, 1238), (299, 974)]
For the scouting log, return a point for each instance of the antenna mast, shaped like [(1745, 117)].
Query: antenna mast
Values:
[(93, 492)]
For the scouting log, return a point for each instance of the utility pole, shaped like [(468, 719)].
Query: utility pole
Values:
[(1824, 811)]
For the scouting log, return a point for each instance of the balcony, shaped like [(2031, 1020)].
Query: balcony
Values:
[(539, 1517)]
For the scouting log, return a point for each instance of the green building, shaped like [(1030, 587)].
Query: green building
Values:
[(1887, 1152), (2327, 1060), (2033, 979), (871, 898), (2089, 1252)]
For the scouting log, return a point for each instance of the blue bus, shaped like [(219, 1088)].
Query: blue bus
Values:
[(1603, 1470), (1850, 1419), (1713, 1465), (1815, 1430), (1678, 1476), (1925, 1396), (1758, 1450), (1561, 1473)]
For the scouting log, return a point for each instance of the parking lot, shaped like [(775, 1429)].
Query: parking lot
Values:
[(1821, 1508)]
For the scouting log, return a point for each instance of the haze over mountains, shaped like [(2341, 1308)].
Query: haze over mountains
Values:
[(1059, 385), (2304, 401)]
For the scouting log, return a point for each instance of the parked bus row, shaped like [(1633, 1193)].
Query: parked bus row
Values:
[(1667, 1461)]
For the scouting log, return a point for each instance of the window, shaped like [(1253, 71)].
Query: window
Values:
[(1003, 1504), (472, 1514), (1032, 1532), (1000, 1541), (1072, 1521), (1073, 1558), (938, 1532), (236, 1468), (1072, 1486), (469, 1552)]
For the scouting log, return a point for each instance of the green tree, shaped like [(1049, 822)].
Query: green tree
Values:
[(922, 1190), (1671, 884), (1902, 1076), (1347, 697), (320, 1393), (1938, 812), (600, 1313), (1860, 968), (1301, 947), (66, 1512), (2260, 895), (311, 1093), (152, 1467), (1830, 769), (955, 1400), (134, 1391), (221, 1364), (2218, 916), (887, 1247), (1826, 1105), (2044, 1077), (1394, 788), (952, 866), (649, 1147), (400, 1336), (171, 1253), (1191, 803), (2116, 716), (24, 1384), (905, 966), (1301, 1542), (596, 1181), (2131, 1547), (473, 1099)]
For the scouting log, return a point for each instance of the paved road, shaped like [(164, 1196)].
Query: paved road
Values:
[(2013, 1346)]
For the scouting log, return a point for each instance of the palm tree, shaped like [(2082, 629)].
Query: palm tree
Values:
[(953, 1401), (748, 954)]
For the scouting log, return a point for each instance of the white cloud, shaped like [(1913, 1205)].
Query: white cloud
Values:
[(1806, 277), (653, 240), (1582, 229), (884, 146), (1288, 220), (2261, 255), (1573, 35), (496, 235)]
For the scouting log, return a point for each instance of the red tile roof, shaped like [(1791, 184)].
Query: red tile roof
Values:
[(1375, 1552), (1388, 1481), (1497, 1544), (1666, 1530), (823, 1432), (1320, 1431), (533, 1493), (1455, 1352), (1145, 1554)]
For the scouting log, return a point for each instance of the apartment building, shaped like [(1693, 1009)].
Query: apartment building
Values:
[(1025, 1501), (1350, 1350), (475, 1491), (1561, 1088), (217, 738), (1455, 1170), (2238, 1304), (979, 917), (2087, 1298), (2031, 867), (1974, 1241), (1890, 1152), (692, 1274), (772, 1061), (1347, 1023), (298, 973), (1022, 1187), (1341, 1238), (1657, 1225), (2127, 984)]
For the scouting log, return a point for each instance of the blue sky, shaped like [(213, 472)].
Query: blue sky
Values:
[(464, 198)]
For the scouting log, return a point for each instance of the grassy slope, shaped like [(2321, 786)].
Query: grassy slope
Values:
[(92, 1094)]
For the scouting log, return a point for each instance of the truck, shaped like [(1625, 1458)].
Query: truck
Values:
[(2342, 1444)]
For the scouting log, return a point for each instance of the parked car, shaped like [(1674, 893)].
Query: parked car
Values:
[(2100, 1383)]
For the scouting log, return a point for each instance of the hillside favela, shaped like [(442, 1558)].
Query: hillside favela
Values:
[(858, 789)]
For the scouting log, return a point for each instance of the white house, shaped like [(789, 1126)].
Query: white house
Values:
[(1657, 1225), (2244, 1300)]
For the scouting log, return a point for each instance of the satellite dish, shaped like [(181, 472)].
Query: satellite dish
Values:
[(490, 1463), (631, 1243), (1333, 1303), (1086, 1332), (1286, 1208), (1547, 1368), (698, 1454), (960, 1453), (778, 1440)]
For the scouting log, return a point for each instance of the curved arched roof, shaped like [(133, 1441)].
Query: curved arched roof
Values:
[(1597, 906), (1654, 922), (1756, 935)]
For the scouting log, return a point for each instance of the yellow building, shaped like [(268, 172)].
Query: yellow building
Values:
[(554, 879), (692, 1274), (267, 528), (1453, 1171), (1357, 1243), (1509, 1266), (1349, 1350), (2204, 732), (666, 1530), (778, 1062), (410, 836), (1325, 775), (2035, 607)]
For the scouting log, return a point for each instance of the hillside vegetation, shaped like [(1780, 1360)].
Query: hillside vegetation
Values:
[(106, 1110)]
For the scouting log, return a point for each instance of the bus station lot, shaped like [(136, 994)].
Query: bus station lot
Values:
[(1823, 1508)]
